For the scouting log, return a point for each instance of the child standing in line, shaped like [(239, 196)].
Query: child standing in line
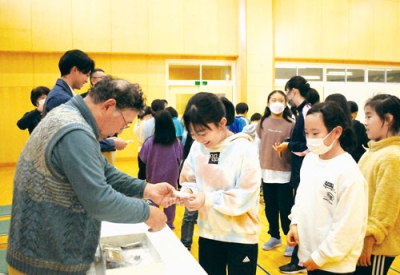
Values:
[(276, 126), (31, 119), (241, 119), (380, 166), (330, 213), (162, 154), (223, 176)]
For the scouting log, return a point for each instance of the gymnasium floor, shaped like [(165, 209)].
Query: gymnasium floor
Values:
[(268, 261)]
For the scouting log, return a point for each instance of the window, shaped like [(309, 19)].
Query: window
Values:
[(376, 75), (311, 74)]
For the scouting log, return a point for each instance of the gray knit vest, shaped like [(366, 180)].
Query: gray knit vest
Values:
[(50, 233)]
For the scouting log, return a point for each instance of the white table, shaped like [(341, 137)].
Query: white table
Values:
[(177, 259)]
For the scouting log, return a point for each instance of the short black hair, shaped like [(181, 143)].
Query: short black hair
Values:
[(255, 117), (38, 92), (75, 58), (157, 105), (172, 111), (241, 108), (352, 106)]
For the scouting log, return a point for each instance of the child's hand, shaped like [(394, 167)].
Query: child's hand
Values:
[(196, 201), (310, 265), (280, 147), (293, 236)]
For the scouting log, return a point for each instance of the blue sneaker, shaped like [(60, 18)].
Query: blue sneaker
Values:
[(288, 251), (272, 243)]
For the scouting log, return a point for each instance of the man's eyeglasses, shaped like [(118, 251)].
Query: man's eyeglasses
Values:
[(126, 124)]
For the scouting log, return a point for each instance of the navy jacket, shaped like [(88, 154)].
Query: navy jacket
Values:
[(60, 94)]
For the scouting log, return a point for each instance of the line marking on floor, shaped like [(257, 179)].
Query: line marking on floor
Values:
[(395, 270), (259, 266)]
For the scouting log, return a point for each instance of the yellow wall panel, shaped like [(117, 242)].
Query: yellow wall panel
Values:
[(156, 71), (91, 25), (361, 29), (129, 26), (284, 12), (121, 64), (14, 62), (260, 60), (46, 63), (386, 28), (16, 69), (166, 27), (155, 92), (228, 27), (15, 25), (15, 102), (102, 61), (308, 29), (200, 31), (51, 25), (334, 43)]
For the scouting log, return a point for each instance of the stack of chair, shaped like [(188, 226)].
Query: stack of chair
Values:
[(5, 215)]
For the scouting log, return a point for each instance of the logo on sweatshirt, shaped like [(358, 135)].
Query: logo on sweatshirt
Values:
[(330, 193), (214, 158)]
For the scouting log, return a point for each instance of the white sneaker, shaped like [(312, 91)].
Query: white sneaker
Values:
[(272, 243)]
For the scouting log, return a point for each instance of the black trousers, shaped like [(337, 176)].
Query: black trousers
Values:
[(216, 256), (278, 198), (380, 265), (142, 169)]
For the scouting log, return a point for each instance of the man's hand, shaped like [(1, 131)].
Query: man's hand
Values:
[(160, 193), (157, 219), (365, 258)]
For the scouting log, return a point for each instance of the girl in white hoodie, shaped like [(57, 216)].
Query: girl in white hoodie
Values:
[(222, 174), (330, 213)]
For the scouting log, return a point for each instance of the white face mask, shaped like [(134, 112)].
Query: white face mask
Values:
[(317, 146), (276, 108)]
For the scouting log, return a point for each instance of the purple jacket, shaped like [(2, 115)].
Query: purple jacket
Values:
[(162, 162)]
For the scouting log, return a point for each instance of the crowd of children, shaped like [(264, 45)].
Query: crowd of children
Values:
[(340, 216)]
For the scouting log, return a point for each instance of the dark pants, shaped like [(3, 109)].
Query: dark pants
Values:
[(215, 256), (379, 266), (278, 198), (188, 221), (142, 169), (321, 272)]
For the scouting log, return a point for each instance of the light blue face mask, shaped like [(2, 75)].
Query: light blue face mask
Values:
[(317, 146)]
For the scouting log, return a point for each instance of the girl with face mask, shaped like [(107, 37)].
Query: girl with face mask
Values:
[(329, 217), (302, 96), (275, 126), (380, 167)]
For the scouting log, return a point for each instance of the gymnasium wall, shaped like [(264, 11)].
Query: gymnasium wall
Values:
[(132, 40)]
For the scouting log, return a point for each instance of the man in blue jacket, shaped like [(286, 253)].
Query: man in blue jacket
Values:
[(75, 68)]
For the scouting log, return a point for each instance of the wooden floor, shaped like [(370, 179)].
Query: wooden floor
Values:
[(268, 261)]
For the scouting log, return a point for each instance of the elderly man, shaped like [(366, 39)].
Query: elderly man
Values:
[(64, 187)]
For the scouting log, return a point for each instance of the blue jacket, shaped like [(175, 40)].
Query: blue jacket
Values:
[(60, 94), (238, 124)]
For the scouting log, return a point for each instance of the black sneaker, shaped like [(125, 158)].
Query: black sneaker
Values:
[(292, 269)]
